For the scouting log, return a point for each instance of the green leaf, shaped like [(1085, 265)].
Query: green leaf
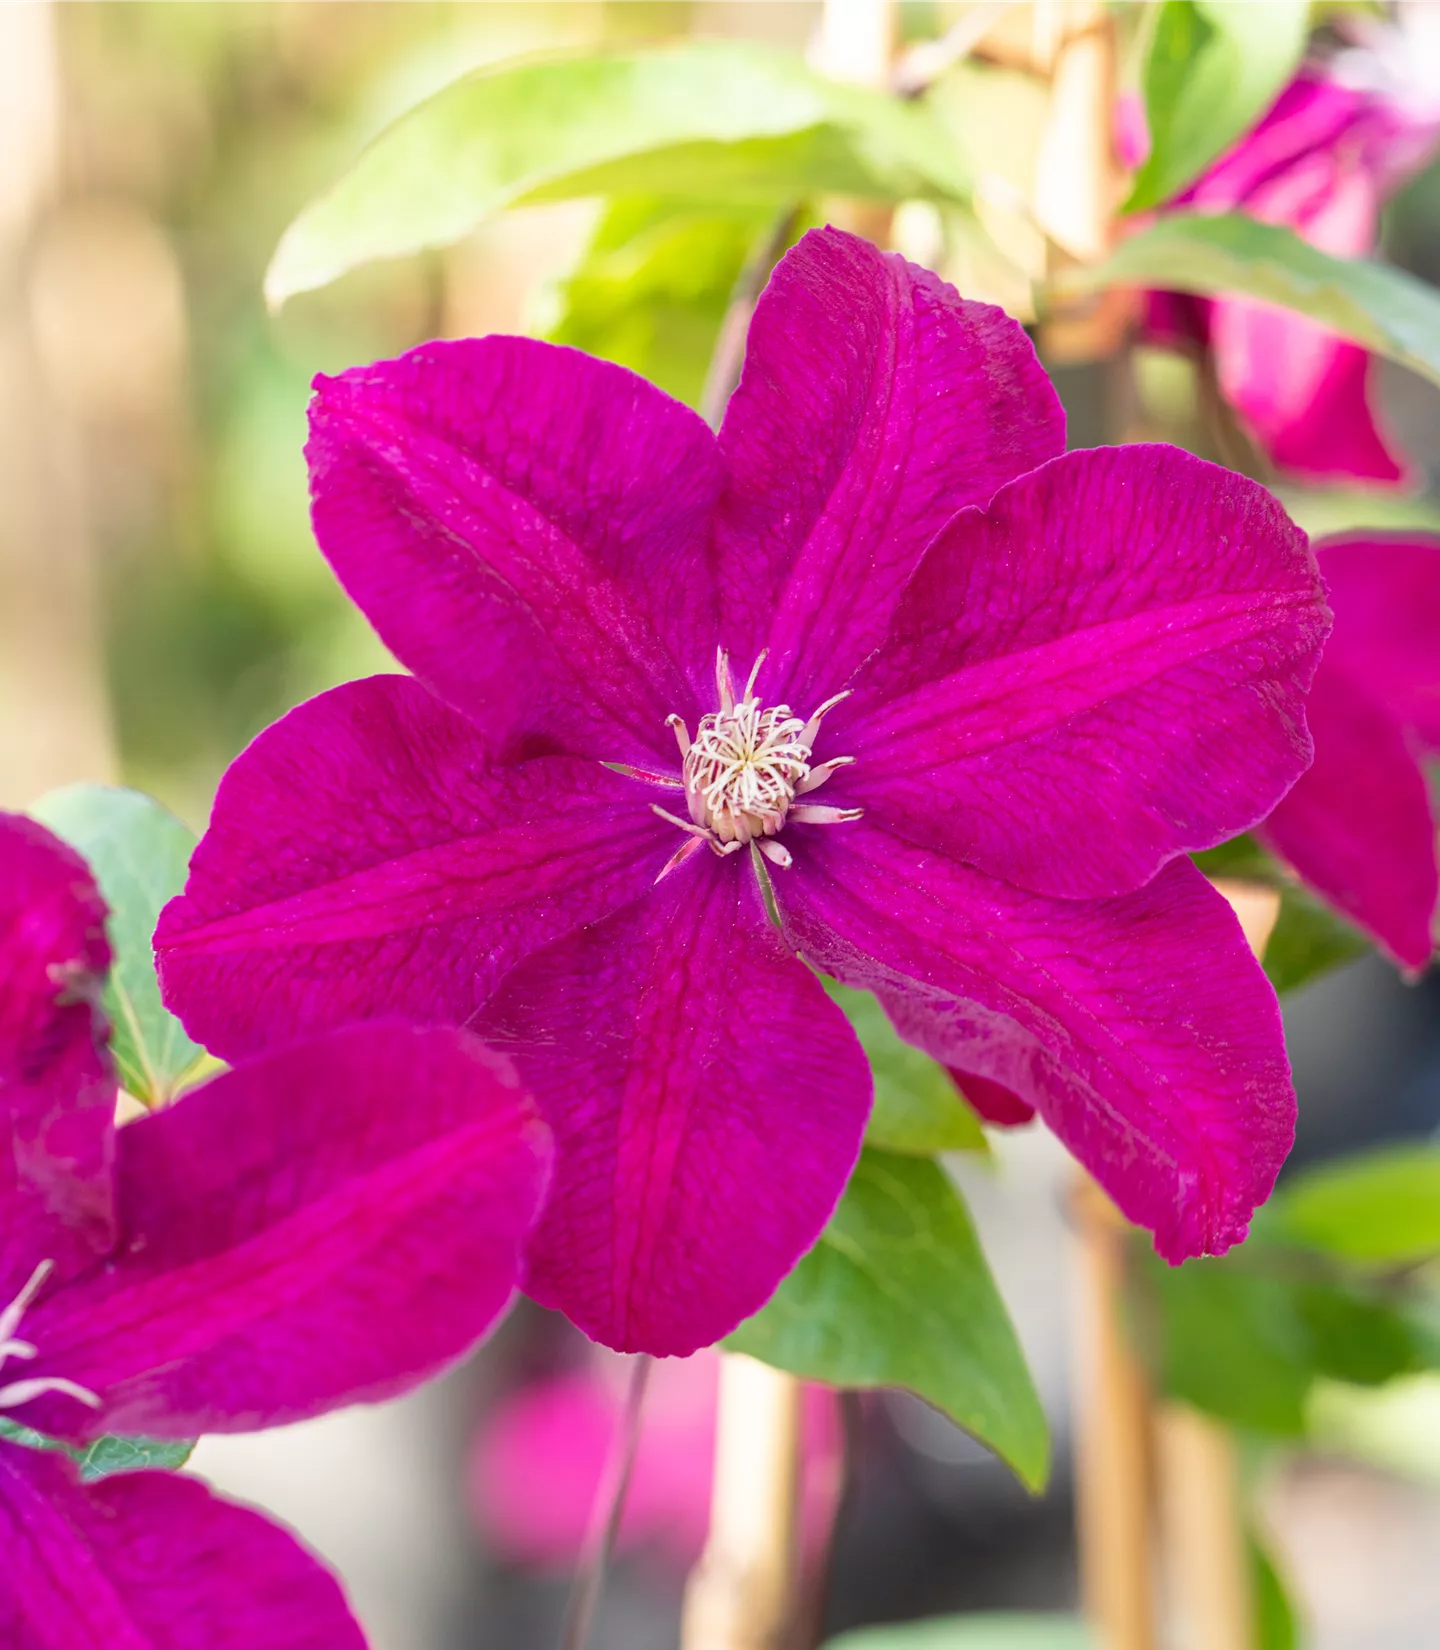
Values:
[(699, 120), (1384, 309), (654, 285), (1245, 1342), (897, 1293), (139, 853), (1212, 69), (918, 1110), (1277, 1623), (109, 1454), (1226, 1342), (1308, 940), (983, 1631), (1379, 1208)]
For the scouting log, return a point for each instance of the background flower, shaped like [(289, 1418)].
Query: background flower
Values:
[(1360, 825), (539, 1456), (1339, 140), (333, 1222)]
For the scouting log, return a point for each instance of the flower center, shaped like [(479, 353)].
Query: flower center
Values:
[(745, 768), (16, 1393)]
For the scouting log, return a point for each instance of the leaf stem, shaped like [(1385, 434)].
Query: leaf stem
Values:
[(729, 354), (608, 1509)]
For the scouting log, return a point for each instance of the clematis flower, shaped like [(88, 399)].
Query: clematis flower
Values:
[(332, 1222), (537, 1462), (1360, 826), (1340, 139), (961, 699)]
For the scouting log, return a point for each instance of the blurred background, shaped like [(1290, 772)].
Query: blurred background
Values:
[(161, 601)]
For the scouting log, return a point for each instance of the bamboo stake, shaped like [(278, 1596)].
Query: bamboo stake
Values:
[(1077, 171), (1112, 1439), (741, 1595), (1123, 1449), (1200, 1513), (1197, 1466), (54, 721)]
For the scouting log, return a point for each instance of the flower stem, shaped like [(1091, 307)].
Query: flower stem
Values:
[(608, 1509)]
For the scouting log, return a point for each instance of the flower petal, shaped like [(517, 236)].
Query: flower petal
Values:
[(335, 1221), (363, 859), (1358, 826), (1140, 1028), (1385, 589), (1105, 669), (875, 403), (528, 529), (153, 1561), (1304, 392), (708, 1101), (57, 1087), (994, 1102)]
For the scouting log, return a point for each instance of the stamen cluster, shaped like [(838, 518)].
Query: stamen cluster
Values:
[(745, 767)]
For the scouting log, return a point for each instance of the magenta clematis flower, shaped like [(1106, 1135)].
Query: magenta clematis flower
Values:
[(1360, 826), (1323, 161), (539, 1458), (334, 1221), (965, 700)]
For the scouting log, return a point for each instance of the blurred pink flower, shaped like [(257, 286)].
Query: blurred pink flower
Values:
[(538, 1458), (1340, 139), (1360, 825)]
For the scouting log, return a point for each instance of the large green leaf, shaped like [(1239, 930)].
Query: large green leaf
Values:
[(1277, 1623), (1246, 1340), (700, 120), (1381, 1208), (654, 285), (918, 1110), (984, 1631), (897, 1293), (1384, 309), (139, 853), (1212, 69), (106, 1455)]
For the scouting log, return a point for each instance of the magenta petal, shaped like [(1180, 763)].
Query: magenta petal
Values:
[(1303, 391), (1140, 1028), (708, 1102), (363, 860), (335, 1221), (994, 1102), (528, 529), (153, 1561), (1358, 826), (1103, 670), (875, 403), (1385, 588), (57, 1087)]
